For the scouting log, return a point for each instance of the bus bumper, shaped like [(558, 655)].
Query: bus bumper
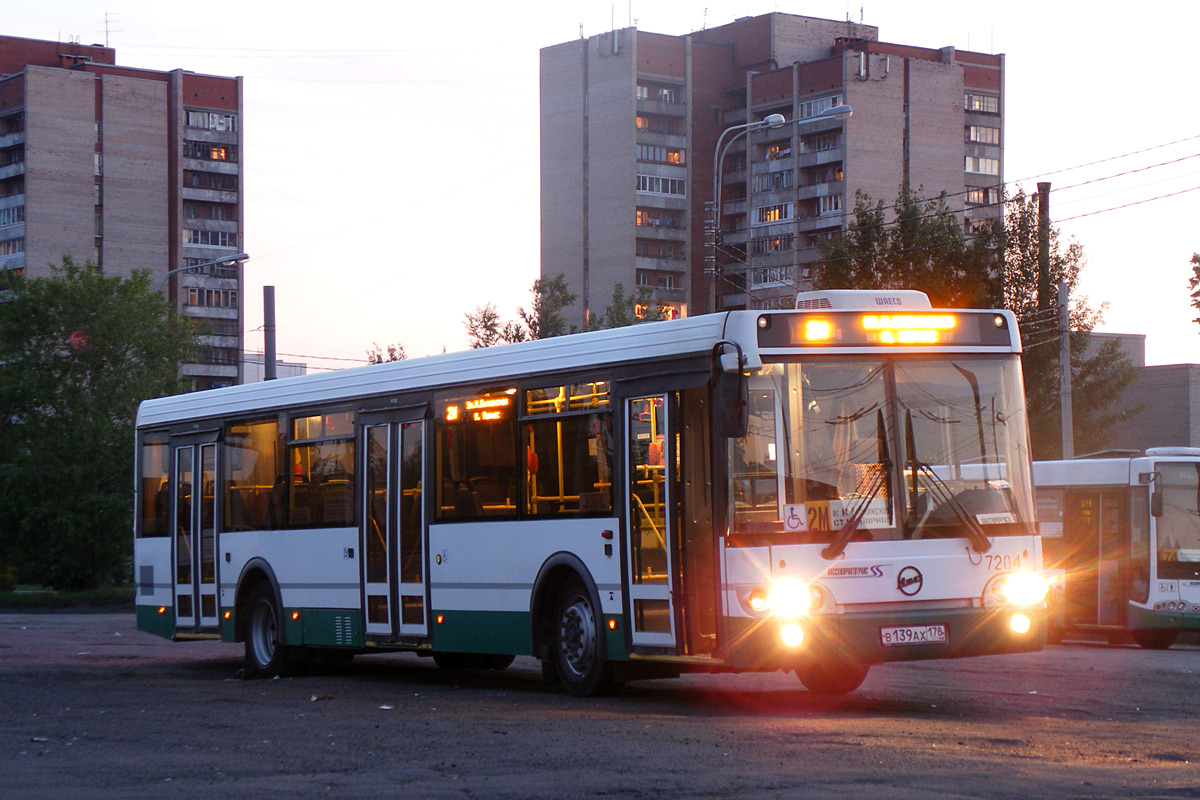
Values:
[(1145, 618), (950, 633)]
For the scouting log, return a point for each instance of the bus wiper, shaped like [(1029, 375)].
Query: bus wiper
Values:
[(943, 494), (846, 532)]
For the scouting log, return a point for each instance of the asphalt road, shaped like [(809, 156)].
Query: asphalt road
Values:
[(92, 708)]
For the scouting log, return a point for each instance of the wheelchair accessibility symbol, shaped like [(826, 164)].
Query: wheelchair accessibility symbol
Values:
[(795, 517)]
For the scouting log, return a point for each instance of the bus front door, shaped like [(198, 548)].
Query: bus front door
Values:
[(193, 497), (651, 469), (393, 540)]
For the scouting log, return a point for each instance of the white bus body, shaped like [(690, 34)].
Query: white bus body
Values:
[(1122, 544), (737, 491)]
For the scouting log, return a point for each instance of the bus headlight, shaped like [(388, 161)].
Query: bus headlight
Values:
[(1019, 589), (789, 598), (791, 634)]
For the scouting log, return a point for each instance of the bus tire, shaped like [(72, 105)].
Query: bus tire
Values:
[(578, 644), (1155, 638), (834, 676), (266, 656)]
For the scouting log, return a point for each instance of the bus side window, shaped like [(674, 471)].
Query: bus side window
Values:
[(476, 456), (253, 477)]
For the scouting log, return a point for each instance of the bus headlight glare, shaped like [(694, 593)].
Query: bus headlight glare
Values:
[(1019, 623), (1024, 588), (791, 634), (788, 598)]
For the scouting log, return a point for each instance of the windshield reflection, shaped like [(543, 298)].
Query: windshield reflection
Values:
[(886, 449)]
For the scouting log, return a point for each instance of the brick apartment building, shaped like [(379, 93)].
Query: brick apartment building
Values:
[(630, 121), (131, 169)]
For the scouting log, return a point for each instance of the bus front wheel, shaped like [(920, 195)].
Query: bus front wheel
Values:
[(578, 644), (265, 654), (831, 676)]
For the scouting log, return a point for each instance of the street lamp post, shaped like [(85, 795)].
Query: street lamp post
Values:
[(772, 121), (213, 263)]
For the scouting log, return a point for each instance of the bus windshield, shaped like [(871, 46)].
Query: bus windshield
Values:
[(1179, 525), (884, 449)]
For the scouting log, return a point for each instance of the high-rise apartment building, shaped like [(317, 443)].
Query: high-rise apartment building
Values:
[(130, 169), (630, 122)]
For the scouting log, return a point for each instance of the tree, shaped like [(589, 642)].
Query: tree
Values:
[(1194, 284), (921, 247), (395, 352), (924, 248), (1097, 376), (78, 351), (542, 320), (628, 309)]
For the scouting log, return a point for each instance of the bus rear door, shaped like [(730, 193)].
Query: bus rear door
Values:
[(193, 494)]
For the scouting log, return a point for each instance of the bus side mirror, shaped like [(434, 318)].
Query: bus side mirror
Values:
[(1156, 503), (733, 404)]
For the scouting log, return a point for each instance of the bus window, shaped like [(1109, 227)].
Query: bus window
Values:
[(155, 464), (477, 456), (253, 477), (1179, 525), (568, 455), (321, 473)]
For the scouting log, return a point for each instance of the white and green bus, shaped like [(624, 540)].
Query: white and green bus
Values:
[(815, 490), (1122, 544)]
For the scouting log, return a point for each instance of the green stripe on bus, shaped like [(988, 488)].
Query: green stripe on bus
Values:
[(482, 632), (151, 621)]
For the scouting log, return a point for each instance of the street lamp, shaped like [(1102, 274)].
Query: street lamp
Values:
[(771, 121), (215, 262)]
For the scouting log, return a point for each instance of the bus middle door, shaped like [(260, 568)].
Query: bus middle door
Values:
[(393, 533)]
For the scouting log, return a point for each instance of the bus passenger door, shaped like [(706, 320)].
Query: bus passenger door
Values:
[(650, 474), (193, 496), (393, 541)]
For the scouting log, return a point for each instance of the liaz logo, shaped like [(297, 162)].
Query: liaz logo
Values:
[(909, 581)]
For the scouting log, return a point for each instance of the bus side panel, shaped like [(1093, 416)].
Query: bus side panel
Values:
[(316, 570), (482, 573), (152, 571)]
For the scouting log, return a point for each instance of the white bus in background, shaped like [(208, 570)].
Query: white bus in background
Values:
[(816, 490), (1121, 539)]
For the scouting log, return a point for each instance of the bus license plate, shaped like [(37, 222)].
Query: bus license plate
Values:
[(913, 634)]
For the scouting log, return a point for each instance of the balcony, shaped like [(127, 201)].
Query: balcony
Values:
[(12, 170)]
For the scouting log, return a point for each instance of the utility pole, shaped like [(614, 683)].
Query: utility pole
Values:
[(268, 333), (1064, 370), (1043, 282)]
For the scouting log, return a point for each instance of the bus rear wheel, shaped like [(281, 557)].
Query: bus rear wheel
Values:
[(1155, 638), (834, 676), (265, 654), (578, 644)]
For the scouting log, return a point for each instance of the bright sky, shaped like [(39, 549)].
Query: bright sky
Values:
[(391, 160)]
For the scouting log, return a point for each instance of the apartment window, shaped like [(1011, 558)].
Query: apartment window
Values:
[(830, 203), (209, 151), (212, 120), (195, 179), (977, 195), (764, 275), (9, 247), (211, 238), (983, 134), (982, 103), (764, 215), (210, 298), (12, 216), (821, 142), (774, 151), (652, 124), (651, 249), (653, 184), (812, 108), (773, 181), (657, 218), (660, 155), (13, 123), (983, 166), (193, 209), (771, 244)]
